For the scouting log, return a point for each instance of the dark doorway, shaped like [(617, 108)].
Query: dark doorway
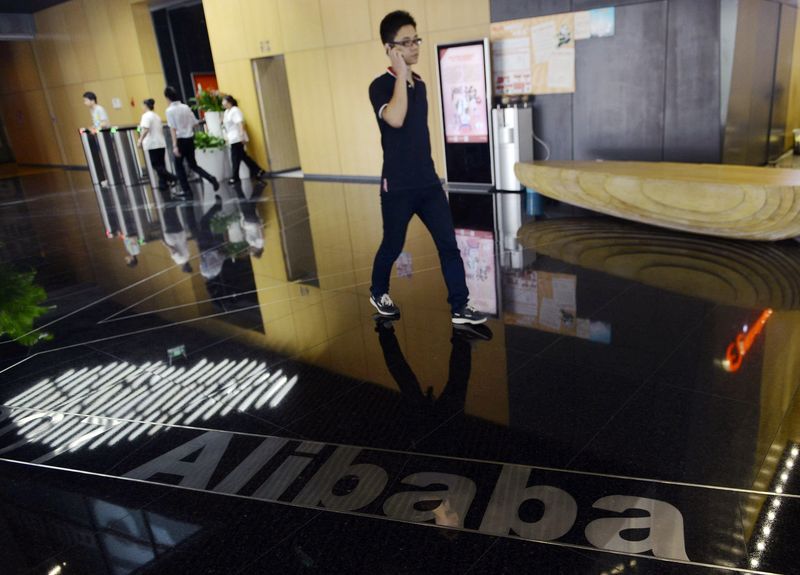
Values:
[(183, 42)]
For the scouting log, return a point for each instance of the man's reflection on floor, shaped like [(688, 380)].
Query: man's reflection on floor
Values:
[(452, 399), (449, 402)]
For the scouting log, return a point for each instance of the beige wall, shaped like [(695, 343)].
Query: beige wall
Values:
[(333, 52), (793, 117), (106, 46)]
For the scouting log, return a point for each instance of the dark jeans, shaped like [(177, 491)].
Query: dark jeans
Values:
[(238, 155), (186, 149), (159, 163), (430, 204)]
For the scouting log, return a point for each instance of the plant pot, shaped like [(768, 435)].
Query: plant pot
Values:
[(214, 161), (214, 123)]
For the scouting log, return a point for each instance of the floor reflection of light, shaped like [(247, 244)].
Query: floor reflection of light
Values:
[(122, 401), (770, 512), (738, 348)]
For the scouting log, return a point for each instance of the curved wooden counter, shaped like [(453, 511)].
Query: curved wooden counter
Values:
[(720, 200)]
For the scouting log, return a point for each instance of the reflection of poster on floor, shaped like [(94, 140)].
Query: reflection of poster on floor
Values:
[(548, 302), (463, 80), (511, 66), (405, 266), (477, 251)]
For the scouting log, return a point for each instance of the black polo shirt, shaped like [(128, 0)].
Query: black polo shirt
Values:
[(407, 161)]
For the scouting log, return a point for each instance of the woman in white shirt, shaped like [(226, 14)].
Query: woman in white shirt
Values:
[(235, 135), (151, 139)]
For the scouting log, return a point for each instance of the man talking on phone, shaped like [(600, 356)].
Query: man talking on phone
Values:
[(409, 184)]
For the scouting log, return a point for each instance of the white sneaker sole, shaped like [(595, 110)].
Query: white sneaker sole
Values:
[(383, 313), (463, 321)]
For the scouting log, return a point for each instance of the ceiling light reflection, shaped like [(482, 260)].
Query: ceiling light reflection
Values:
[(123, 401)]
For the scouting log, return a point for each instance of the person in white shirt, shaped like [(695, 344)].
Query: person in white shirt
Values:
[(151, 139), (236, 136), (182, 121), (99, 114)]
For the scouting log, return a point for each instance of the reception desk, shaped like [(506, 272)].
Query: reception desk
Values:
[(720, 200)]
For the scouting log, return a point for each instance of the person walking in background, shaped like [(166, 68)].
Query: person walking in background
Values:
[(99, 114), (236, 136), (182, 121), (409, 183), (151, 139)]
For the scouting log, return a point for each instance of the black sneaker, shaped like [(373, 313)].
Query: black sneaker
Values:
[(215, 183), (468, 314), (384, 305)]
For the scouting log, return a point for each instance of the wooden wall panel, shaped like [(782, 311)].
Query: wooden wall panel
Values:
[(351, 70), (46, 47), (345, 21), (18, 71), (77, 26), (301, 24), (793, 115), (103, 40), (262, 28), (227, 41), (312, 108), (450, 14), (126, 40)]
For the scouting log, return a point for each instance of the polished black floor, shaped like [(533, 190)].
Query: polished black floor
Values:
[(630, 407)]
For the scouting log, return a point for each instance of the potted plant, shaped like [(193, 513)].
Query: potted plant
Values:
[(209, 102)]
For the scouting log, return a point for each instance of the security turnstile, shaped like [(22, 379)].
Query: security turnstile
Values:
[(109, 157), (131, 162), (91, 150)]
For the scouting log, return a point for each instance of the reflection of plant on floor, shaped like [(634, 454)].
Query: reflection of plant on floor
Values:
[(205, 141), (19, 306), (232, 250), (221, 222)]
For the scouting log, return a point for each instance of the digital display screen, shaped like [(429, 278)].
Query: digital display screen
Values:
[(463, 83)]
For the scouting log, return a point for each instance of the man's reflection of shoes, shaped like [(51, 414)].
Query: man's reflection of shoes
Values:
[(384, 324), (472, 332)]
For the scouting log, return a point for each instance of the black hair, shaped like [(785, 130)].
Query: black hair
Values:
[(90, 96), (171, 94), (230, 99), (150, 103), (392, 22)]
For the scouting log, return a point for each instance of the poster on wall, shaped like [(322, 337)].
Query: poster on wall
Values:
[(598, 23), (534, 55), (511, 61), (463, 80), (477, 251)]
